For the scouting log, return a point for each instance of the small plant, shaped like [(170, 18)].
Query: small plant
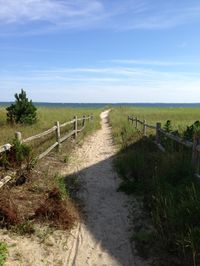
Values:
[(22, 111), (19, 154), (25, 228), (66, 159), (4, 160), (191, 130), (62, 188), (168, 126), (3, 253)]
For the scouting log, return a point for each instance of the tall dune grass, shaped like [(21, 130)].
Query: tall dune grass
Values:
[(46, 119), (171, 194)]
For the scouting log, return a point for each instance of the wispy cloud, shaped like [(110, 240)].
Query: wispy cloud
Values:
[(150, 62), (39, 16), (48, 15), (106, 84), (52, 11)]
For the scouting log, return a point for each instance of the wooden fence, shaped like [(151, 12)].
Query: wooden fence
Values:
[(142, 127), (55, 129)]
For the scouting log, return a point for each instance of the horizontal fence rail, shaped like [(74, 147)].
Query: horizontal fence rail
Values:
[(38, 136), (5, 147), (55, 129), (195, 145)]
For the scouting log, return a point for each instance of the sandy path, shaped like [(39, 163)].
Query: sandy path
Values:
[(103, 239)]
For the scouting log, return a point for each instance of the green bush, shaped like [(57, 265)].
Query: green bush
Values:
[(20, 153), (22, 111)]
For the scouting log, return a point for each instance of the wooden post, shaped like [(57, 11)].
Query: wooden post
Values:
[(57, 123), (128, 118), (92, 117), (75, 126), (83, 121), (18, 136), (136, 122), (195, 154), (158, 127), (144, 128)]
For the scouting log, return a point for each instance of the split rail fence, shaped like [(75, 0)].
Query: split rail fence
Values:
[(55, 129), (194, 146)]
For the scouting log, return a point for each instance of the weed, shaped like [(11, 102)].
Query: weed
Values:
[(72, 184), (66, 159), (25, 228), (63, 189), (3, 253), (18, 154)]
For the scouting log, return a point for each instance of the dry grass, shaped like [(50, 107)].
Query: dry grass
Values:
[(60, 213), (39, 199)]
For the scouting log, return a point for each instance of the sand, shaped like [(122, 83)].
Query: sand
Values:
[(103, 237)]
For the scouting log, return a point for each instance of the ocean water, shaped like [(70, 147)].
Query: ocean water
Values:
[(103, 105)]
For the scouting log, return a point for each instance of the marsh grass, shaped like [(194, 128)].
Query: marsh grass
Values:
[(170, 192)]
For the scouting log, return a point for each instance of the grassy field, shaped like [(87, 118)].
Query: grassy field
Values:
[(46, 119), (164, 182), (180, 118)]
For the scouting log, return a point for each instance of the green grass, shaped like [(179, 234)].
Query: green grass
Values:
[(171, 195), (46, 119), (63, 189), (3, 253), (180, 118)]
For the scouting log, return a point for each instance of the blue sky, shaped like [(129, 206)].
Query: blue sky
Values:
[(100, 50)]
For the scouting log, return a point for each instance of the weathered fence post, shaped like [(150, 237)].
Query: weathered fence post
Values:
[(158, 127), (18, 136), (83, 121), (75, 126), (144, 128), (92, 117), (128, 118), (195, 154), (136, 122), (57, 123)]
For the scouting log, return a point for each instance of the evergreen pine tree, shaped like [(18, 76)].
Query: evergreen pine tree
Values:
[(22, 111)]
